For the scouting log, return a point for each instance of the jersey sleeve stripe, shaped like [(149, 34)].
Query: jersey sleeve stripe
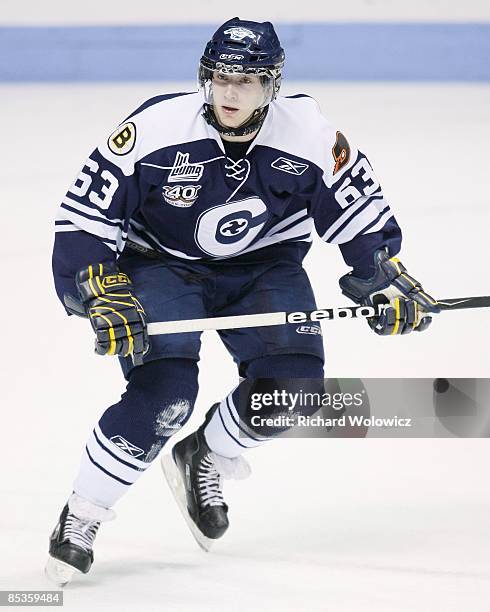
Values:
[(110, 233), (92, 226), (357, 225), (77, 216), (349, 214), (95, 227), (91, 213), (387, 214), (63, 225)]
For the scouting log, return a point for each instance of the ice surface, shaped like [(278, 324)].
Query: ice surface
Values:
[(336, 525)]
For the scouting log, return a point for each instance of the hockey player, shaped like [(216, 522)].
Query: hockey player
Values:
[(204, 204)]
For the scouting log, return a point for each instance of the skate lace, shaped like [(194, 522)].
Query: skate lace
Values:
[(209, 483), (79, 532)]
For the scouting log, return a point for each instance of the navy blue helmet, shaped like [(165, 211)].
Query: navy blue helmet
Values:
[(254, 46), (243, 47)]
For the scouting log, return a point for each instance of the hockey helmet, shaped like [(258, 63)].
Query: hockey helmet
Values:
[(240, 48)]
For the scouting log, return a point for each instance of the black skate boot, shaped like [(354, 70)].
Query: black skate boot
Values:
[(70, 545), (195, 476)]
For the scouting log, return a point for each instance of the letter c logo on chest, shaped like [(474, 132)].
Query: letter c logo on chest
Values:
[(227, 229)]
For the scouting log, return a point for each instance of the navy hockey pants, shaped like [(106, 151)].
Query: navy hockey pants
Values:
[(188, 290)]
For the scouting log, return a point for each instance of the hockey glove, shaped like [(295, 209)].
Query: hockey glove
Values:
[(116, 315), (407, 305)]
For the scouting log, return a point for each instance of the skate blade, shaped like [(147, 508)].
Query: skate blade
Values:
[(59, 572), (177, 487)]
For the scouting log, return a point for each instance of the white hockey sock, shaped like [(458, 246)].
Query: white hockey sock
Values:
[(106, 472), (226, 435)]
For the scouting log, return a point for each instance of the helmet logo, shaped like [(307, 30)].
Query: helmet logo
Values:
[(240, 33), (230, 56)]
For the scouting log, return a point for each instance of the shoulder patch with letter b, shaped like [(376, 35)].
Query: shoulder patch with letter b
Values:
[(122, 140)]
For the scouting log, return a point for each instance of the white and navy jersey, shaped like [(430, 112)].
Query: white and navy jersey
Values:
[(162, 180)]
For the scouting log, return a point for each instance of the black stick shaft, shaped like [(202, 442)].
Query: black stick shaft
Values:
[(482, 301)]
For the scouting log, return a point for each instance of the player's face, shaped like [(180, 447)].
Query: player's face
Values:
[(236, 97)]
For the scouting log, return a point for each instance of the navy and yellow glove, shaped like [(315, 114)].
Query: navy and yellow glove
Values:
[(407, 303), (116, 315)]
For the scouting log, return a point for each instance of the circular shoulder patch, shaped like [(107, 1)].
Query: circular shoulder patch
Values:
[(122, 140)]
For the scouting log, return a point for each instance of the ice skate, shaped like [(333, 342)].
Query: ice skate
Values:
[(71, 543), (195, 474)]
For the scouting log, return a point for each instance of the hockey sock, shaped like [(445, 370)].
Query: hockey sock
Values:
[(159, 399), (231, 429)]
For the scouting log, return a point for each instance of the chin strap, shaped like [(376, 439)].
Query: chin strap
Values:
[(251, 125)]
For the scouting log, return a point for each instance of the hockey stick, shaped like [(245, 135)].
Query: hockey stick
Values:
[(282, 318)]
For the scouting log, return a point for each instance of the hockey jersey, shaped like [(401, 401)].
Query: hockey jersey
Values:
[(162, 180)]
